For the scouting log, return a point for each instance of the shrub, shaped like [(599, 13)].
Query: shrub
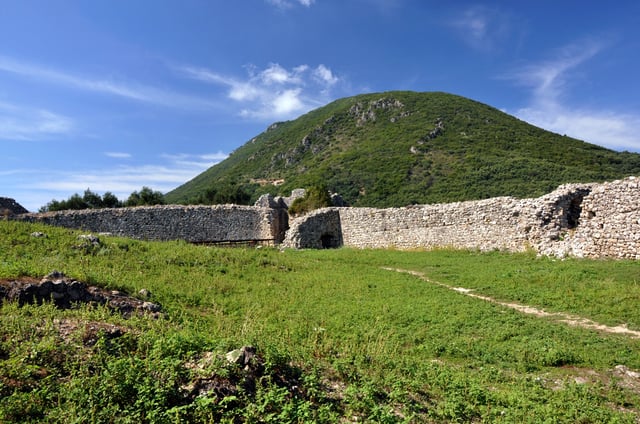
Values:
[(316, 197), (146, 196), (89, 200)]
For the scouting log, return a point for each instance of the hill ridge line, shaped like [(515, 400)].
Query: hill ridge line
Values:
[(399, 148)]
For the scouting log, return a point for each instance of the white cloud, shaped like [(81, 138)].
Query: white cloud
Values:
[(475, 22), (280, 3), (483, 28), (131, 91), (215, 157), (276, 74), (550, 81), (118, 155), (243, 91), (238, 90), (20, 123), (617, 131), (288, 102), (201, 162), (287, 4), (325, 75), (274, 92)]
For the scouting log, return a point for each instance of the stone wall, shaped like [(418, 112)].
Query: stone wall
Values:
[(487, 224), (320, 229), (583, 220), (9, 207), (197, 224), (609, 224)]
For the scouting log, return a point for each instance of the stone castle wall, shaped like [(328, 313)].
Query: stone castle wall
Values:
[(582, 220), (9, 207), (609, 224), (197, 224)]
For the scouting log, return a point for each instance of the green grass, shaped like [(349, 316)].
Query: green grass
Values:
[(360, 342)]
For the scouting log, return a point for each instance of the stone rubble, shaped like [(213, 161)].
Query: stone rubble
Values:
[(65, 292)]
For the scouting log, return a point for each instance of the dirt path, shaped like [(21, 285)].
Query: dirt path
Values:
[(568, 319)]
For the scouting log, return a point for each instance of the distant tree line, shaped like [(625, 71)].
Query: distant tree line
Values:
[(91, 200), (224, 193)]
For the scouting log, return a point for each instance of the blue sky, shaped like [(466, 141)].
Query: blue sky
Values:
[(114, 95)]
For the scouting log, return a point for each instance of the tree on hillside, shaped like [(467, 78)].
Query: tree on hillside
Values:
[(225, 194)]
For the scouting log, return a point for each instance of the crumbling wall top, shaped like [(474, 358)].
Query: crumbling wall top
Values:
[(9, 207)]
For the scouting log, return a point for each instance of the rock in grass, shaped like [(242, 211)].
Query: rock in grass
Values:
[(54, 275), (242, 356)]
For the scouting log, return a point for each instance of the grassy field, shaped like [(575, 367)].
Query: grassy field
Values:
[(339, 336)]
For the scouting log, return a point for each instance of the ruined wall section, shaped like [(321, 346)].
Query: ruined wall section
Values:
[(486, 225), (319, 229), (581, 220), (609, 223), (198, 224), (9, 207), (548, 219)]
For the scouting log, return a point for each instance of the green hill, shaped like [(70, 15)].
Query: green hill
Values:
[(400, 148)]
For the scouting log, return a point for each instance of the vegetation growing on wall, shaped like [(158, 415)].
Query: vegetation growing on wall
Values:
[(401, 148), (315, 197)]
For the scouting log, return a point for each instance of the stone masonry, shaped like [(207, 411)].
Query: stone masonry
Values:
[(9, 207), (581, 220), (609, 224), (196, 224)]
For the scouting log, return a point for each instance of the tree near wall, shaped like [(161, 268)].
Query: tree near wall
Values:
[(146, 197), (91, 200)]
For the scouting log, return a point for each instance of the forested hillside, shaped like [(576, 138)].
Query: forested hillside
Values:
[(401, 148)]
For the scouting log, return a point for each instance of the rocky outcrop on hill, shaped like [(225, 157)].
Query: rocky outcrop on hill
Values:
[(364, 113)]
